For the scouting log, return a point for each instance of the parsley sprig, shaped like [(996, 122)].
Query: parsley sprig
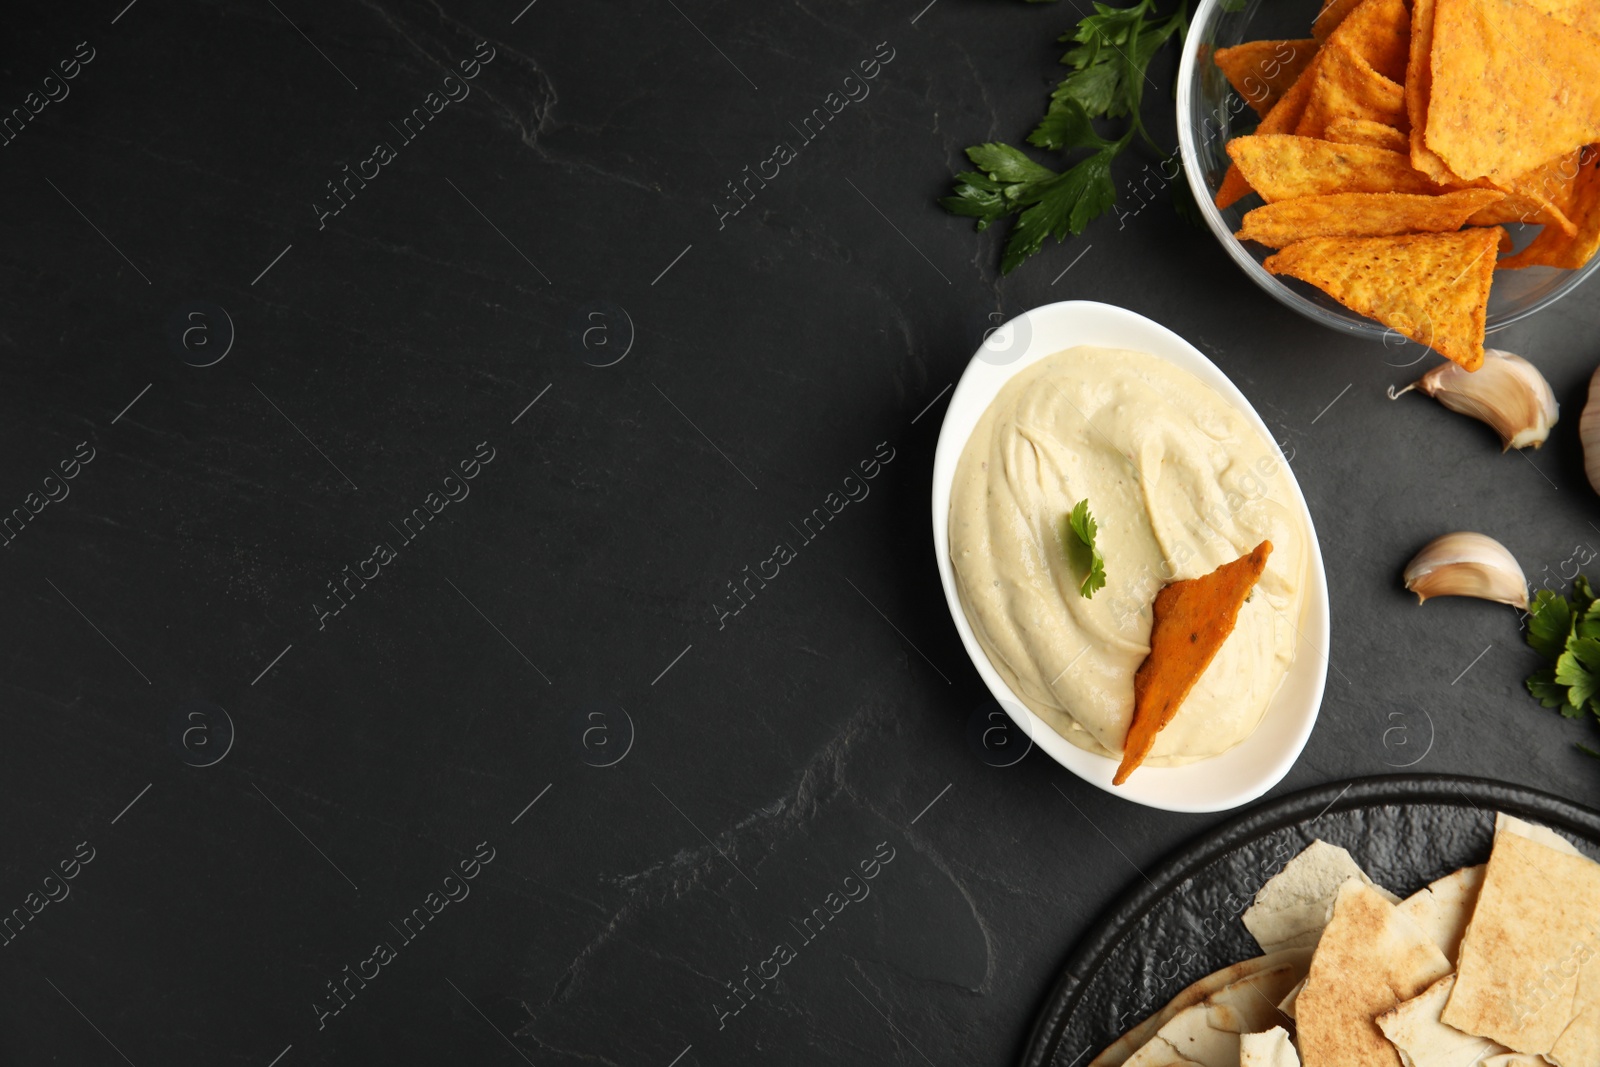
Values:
[(1110, 54), (1567, 632), (1077, 537)]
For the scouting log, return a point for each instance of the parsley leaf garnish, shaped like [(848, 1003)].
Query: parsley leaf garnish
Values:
[(1077, 537), (1567, 632), (1110, 54)]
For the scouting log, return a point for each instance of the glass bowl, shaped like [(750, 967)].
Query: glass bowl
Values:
[(1210, 112)]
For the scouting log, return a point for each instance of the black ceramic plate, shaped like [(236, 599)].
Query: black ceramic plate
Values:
[(1181, 920)]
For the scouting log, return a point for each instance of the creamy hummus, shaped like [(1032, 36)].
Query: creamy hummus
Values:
[(1180, 483)]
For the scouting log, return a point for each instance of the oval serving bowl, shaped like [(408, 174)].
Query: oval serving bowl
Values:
[(1244, 772)]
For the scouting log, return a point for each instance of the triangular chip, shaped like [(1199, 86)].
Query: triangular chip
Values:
[(1430, 287), (1286, 1005), (1510, 824), (1262, 71), (1269, 1049), (1282, 119), (1328, 19), (1293, 907), (1208, 1033), (1367, 132), (1117, 1053), (1347, 86), (1529, 974), (1190, 620), (1543, 195), (1370, 959), (1493, 112), (1553, 248), (1419, 85), (1379, 31), (1281, 167), (1444, 907), (1361, 215), (1414, 1028), (1579, 14)]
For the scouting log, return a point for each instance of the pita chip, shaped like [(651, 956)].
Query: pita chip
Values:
[(1423, 1041), (1443, 908), (1293, 907), (1510, 824), (1117, 1053), (1287, 1004), (1529, 973), (1208, 1033), (1370, 959), (1271, 1049)]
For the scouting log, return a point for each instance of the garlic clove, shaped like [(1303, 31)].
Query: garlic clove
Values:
[(1467, 564), (1589, 432), (1507, 392)]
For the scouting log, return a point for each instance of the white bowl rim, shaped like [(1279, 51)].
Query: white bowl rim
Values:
[(1222, 782)]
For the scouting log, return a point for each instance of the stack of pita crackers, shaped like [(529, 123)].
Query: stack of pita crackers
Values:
[(1397, 140), (1496, 965)]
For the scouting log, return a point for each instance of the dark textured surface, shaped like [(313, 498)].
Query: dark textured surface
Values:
[(771, 754), (1184, 921)]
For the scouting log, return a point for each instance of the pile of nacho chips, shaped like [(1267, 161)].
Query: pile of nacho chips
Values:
[(1492, 966), (1398, 123)]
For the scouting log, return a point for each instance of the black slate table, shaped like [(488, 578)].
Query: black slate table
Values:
[(400, 396)]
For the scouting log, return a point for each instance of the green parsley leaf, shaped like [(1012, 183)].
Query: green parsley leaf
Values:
[(1077, 537), (1066, 125), (1583, 598), (1579, 670), (1549, 623), (1062, 205), (1110, 57), (1552, 694)]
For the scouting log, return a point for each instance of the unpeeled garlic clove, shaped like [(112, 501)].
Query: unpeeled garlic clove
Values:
[(1507, 392), (1589, 432), (1467, 564)]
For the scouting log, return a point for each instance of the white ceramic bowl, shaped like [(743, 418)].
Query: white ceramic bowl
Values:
[(1244, 772)]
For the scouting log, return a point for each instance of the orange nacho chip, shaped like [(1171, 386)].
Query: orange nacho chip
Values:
[(1379, 31), (1554, 248), (1191, 620), (1579, 14), (1361, 215), (1493, 112), (1543, 195), (1419, 85), (1262, 71), (1367, 132), (1376, 30), (1430, 287), (1281, 167), (1283, 118), (1347, 86), (1328, 19)]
